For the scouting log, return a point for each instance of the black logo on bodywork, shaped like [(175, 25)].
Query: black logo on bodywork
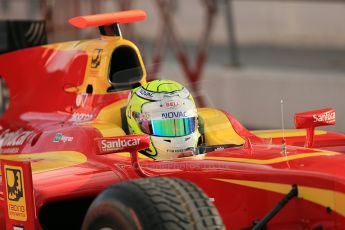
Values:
[(14, 184), (96, 58)]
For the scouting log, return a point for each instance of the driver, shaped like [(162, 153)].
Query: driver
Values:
[(166, 111)]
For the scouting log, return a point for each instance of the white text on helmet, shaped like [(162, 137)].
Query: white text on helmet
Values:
[(143, 92)]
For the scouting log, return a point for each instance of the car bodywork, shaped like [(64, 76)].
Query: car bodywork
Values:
[(62, 135)]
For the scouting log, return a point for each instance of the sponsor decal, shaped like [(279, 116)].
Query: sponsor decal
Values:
[(81, 99), (174, 114), (81, 117), (96, 58), (145, 94), (10, 141), (176, 150), (325, 117), (15, 193), (117, 144), (171, 104), (14, 184), (183, 93), (59, 137)]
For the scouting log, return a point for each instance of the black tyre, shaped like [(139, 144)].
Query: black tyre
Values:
[(152, 203)]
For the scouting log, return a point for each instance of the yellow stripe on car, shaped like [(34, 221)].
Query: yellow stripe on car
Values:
[(272, 160), (323, 197), (275, 133), (46, 161)]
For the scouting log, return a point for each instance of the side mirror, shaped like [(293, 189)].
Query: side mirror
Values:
[(128, 143), (311, 119)]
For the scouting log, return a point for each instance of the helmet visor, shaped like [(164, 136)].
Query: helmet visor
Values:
[(170, 127)]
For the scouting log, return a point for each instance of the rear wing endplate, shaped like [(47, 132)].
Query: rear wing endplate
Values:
[(18, 195)]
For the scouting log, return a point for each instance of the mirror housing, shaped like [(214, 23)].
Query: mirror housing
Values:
[(128, 143), (311, 119)]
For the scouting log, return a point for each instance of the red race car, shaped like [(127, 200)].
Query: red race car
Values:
[(67, 162)]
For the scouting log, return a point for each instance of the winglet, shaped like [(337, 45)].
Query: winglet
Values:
[(108, 18)]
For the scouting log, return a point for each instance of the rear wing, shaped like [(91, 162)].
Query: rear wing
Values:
[(50, 78), (20, 209), (108, 24)]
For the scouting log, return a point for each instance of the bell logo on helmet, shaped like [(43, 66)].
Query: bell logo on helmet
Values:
[(171, 104), (174, 115)]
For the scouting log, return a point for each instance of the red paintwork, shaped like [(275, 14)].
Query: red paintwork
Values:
[(312, 119), (39, 128), (315, 118), (331, 141), (37, 87)]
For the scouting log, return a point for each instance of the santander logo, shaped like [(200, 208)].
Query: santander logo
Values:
[(325, 117), (118, 144)]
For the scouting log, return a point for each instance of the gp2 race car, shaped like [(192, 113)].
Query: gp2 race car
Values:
[(67, 161)]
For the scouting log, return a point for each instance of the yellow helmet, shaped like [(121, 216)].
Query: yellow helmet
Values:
[(166, 111)]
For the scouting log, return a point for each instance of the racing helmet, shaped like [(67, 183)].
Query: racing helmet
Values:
[(166, 111)]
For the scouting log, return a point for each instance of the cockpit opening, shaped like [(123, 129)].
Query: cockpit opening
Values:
[(125, 69)]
